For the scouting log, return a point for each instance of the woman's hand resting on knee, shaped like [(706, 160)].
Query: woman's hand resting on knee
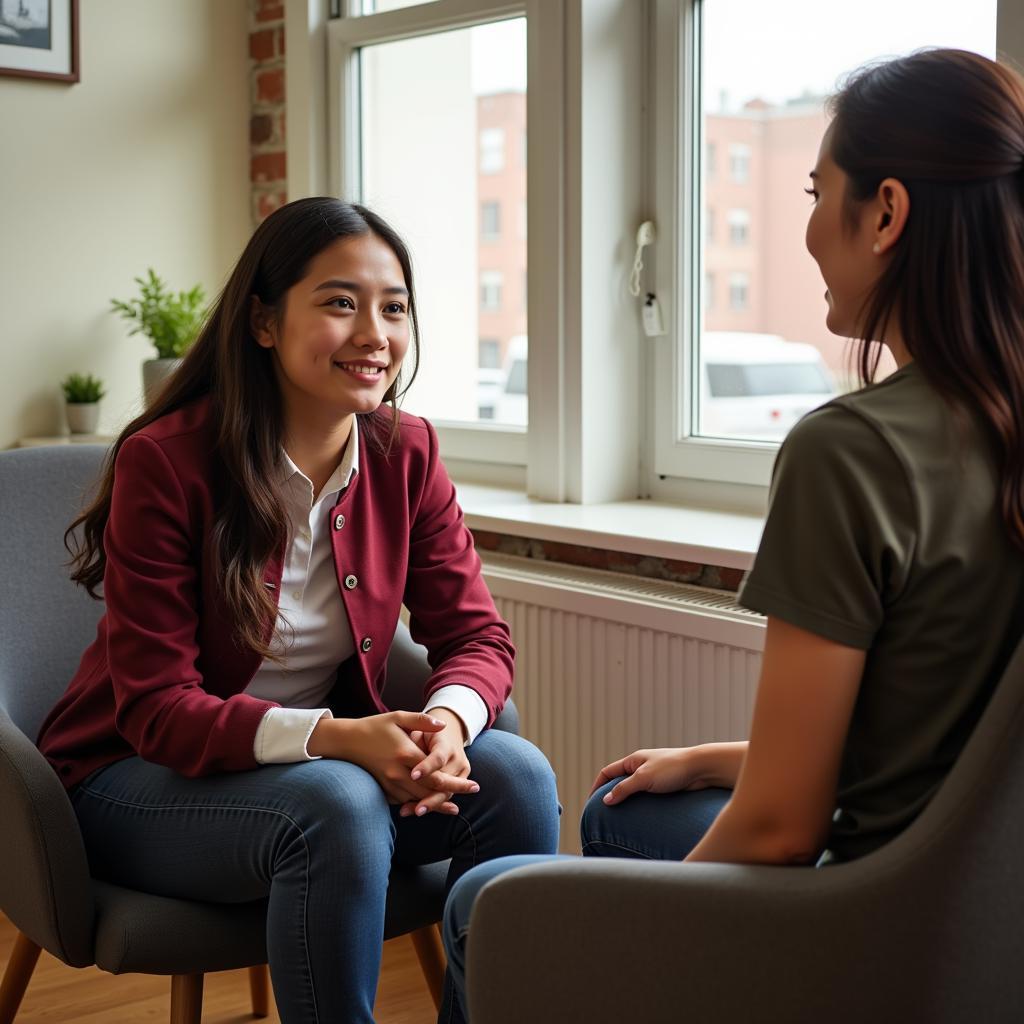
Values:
[(383, 746), (670, 769)]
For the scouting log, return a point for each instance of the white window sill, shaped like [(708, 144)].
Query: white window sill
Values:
[(652, 528)]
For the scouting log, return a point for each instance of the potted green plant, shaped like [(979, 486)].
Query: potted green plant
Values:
[(82, 394), (171, 320)]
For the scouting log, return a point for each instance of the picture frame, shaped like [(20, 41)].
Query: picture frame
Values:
[(39, 39)]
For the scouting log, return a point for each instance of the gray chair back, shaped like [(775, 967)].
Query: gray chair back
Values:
[(46, 622)]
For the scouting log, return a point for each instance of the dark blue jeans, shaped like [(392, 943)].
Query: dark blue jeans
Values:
[(647, 826), (317, 839)]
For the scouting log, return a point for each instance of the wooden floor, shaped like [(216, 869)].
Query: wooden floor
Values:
[(59, 995)]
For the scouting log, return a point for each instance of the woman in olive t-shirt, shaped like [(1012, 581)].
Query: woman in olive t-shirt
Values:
[(891, 568)]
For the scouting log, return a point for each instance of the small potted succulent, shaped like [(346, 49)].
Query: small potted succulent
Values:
[(170, 320), (82, 394)]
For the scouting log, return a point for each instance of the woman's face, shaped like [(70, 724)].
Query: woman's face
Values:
[(843, 250), (344, 328)]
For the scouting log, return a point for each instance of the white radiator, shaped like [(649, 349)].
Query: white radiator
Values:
[(609, 663)]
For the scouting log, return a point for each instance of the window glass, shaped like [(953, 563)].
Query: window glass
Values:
[(490, 354), (441, 119), (490, 221), (763, 93), (376, 6)]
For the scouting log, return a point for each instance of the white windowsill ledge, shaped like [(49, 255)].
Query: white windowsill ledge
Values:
[(655, 529)]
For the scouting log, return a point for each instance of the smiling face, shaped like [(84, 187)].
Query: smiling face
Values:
[(343, 330), (843, 250)]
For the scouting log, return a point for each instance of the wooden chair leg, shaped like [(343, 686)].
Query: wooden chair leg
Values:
[(430, 953), (259, 977), (23, 961), (186, 998)]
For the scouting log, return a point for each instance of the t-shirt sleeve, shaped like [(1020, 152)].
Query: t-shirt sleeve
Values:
[(840, 532)]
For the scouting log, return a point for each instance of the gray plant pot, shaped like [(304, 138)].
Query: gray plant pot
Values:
[(82, 417), (154, 375)]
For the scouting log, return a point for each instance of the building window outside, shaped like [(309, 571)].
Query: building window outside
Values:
[(490, 290), (492, 150), (739, 163), (489, 354), (739, 227), (739, 291), (709, 290), (490, 221), (709, 225)]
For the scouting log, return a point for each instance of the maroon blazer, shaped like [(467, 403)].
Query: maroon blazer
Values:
[(164, 677)]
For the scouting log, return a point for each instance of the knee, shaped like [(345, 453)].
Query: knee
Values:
[(339, 791), (337, 809), (593, 823), (516, 766)]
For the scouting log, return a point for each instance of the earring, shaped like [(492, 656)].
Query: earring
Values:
[(876, 249)]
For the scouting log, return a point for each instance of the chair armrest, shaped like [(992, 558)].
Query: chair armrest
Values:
[(625, 940), (45, 888)]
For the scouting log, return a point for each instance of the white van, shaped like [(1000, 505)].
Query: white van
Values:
[(757, 386), (510, 402)]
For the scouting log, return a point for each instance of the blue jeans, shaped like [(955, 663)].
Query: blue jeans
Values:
[(646, 826), (317, 839)]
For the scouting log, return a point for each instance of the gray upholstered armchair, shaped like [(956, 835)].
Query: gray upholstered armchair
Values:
[(927, 929), (45, 888)]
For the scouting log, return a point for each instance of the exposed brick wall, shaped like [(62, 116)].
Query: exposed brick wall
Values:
[(268, 164)]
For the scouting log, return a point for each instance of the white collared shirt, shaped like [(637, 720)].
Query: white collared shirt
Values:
[(313, 629)]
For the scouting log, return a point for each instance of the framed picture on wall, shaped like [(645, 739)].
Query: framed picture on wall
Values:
[(39, 39)]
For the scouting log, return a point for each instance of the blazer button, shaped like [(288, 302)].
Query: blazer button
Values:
[(339, 521), (366, 644), (351, 582)]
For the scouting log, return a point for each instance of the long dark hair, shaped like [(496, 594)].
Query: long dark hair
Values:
[(226, 364), (949, 125)]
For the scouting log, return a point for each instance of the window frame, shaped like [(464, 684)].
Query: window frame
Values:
[(474, 442), (682, 461)]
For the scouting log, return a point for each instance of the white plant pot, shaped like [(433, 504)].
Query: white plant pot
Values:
[(154, 375), (83, 417)]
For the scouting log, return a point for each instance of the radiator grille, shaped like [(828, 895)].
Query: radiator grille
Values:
[(609, 663)]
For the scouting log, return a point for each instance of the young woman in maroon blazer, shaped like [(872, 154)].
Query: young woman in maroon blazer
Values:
[(255, 534)]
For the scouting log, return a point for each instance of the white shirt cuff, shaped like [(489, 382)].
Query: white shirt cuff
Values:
[(284, 732), (466, 703)]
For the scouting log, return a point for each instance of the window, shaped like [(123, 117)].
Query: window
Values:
[(739, 290), (376, 6), (492, 150), (739, 227), (489, 354), (490, 290), (739, 163), (741, 370), (418, 130), (490, 221), (425, 106)]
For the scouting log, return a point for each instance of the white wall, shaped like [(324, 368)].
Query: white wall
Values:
[(144, 162)]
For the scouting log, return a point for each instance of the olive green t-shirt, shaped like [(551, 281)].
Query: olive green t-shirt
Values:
[(884, 533)]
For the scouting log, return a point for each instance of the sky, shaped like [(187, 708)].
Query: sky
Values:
[(786, 47), (789, 47)]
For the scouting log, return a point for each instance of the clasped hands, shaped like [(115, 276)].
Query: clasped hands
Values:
[(418, 759)]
